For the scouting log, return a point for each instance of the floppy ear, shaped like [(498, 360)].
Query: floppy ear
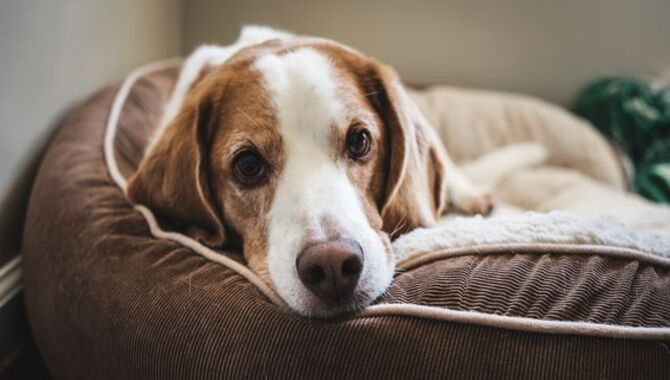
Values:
[(172, 178), (416, 191)]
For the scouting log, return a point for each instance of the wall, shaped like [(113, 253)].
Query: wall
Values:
[(55, 53), (545, 48)]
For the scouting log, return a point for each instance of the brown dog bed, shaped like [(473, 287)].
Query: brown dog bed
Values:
[(111, 294)]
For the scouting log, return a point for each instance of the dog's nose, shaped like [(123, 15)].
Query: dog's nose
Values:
[(331, 269)]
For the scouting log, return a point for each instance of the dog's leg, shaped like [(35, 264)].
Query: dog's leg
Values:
[(465, 195), (487, 171), (490, 169)]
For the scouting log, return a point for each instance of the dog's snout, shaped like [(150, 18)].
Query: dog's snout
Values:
[(331, 269)]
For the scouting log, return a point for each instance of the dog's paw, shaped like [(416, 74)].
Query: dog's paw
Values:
[(476, 202)]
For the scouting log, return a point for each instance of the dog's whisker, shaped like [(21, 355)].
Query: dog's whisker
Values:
[(399, 226)]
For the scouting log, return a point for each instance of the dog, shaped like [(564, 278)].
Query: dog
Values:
[(306, 155)]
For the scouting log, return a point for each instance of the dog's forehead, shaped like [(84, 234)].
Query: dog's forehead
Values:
[(304, 77), (305, 92)]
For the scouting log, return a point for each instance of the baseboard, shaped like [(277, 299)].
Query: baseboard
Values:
[(10, 280)]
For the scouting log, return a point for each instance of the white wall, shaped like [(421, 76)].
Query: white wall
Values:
[(545, 48), (55, 53)]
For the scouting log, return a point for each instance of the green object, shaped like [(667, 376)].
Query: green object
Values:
[(636, 117)]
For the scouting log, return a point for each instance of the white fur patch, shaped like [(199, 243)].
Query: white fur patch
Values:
[(314, 188)]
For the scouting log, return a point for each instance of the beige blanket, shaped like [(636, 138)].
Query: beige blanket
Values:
[(582, 175)]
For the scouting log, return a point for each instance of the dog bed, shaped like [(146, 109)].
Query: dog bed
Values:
[(112, 294)]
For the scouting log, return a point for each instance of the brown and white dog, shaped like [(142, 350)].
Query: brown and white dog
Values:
[(307, 155)]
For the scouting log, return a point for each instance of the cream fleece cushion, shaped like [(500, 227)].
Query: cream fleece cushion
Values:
[(474, 122)]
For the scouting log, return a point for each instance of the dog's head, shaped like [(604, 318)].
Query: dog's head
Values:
[(307, 155)]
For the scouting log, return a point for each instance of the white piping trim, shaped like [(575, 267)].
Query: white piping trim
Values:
[(115, 115), (543, 326), (422, 258), (10, 280), (407, 310)]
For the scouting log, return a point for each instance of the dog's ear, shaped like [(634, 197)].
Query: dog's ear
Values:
[(172, 179), (416, 191)]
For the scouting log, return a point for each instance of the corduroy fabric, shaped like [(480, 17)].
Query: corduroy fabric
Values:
[(586, 288), (107, 300)]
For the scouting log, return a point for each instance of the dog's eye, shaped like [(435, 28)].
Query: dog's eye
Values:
[(358, 143), (249, 167)]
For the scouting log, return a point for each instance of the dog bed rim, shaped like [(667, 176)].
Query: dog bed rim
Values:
[(400, 310)]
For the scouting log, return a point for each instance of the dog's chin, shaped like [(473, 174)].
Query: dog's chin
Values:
[(306, 304), (316, 308), (313, 307)]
